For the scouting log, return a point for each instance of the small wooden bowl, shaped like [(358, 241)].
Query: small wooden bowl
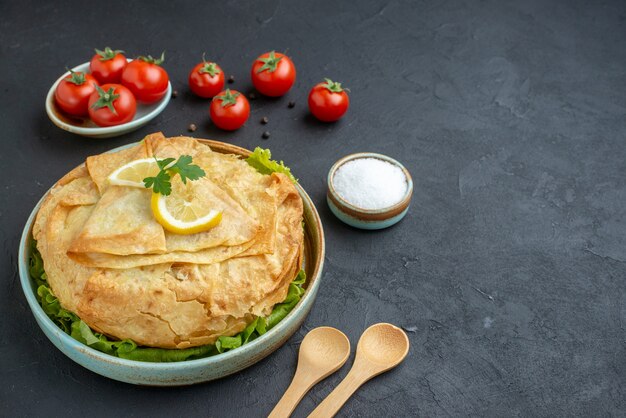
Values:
[(368, 218)]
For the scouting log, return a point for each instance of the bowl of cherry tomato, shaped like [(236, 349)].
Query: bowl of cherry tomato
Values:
[(99, 102)]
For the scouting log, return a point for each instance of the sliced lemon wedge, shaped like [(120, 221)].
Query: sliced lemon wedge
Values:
[(133, 173), (181, 214)]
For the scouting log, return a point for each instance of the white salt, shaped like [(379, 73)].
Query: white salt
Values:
[(370, 183)]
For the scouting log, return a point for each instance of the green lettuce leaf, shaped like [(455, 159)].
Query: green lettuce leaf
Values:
[(293, 297), (261, 160), (261, 325), (51, 306), (35, 264)]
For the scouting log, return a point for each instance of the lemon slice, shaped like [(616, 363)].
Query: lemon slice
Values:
[(133, 173), (181, 214)]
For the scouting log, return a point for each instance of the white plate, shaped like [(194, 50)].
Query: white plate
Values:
[(85, 127)]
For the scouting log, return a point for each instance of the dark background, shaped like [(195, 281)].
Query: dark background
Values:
[(509, 272)]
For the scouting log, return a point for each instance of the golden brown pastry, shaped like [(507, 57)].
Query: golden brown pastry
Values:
[(112, 264)]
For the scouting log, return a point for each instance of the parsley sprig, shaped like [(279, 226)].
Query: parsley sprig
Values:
[(161, 183)]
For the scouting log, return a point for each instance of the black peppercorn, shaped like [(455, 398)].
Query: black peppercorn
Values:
[(264, 120), (192, 127), (231, 79), (291, 105), (265, 135)]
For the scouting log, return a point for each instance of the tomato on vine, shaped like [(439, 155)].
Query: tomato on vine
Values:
[(73, 92), (206, 79), (229, 110), (328, 101), (107, 66), (273, 74), (146, 79), (112, 104)]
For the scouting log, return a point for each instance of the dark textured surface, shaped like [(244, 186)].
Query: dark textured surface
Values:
[(509, 271)]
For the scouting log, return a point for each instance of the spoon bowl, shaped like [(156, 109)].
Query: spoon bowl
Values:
[(324, 348), (384, 345)]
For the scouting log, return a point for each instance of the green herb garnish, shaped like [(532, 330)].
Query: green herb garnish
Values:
[(161, 183)]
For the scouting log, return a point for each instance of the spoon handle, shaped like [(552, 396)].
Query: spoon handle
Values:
[(294, 393), (333, 402)]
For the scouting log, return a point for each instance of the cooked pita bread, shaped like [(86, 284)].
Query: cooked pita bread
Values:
[(112, 264), (246, 197)]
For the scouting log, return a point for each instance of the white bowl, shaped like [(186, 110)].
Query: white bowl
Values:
[(85, 127)]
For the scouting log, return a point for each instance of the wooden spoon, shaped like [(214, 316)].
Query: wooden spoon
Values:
[(323, 351), (381, 347)]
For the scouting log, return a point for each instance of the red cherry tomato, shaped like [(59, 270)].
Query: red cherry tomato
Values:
[(273, 74), (146, 79), (72, 93), (229, 110), (328, 101), (107, 66), (206, 79), (112, 104)]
